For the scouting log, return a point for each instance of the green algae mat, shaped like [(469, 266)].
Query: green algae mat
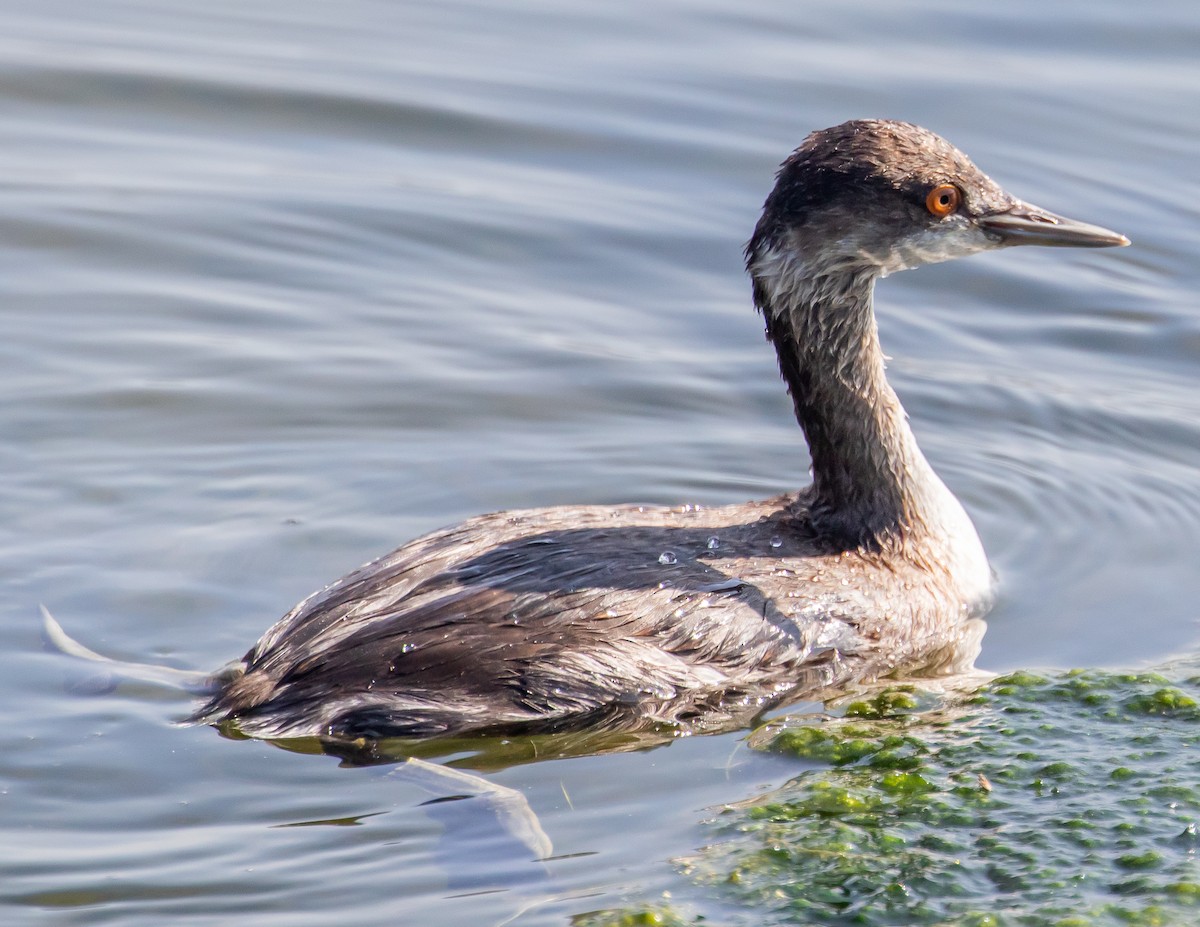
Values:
[(1064, 800)]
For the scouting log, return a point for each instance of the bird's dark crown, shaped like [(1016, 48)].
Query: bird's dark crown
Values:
[(870, 170)]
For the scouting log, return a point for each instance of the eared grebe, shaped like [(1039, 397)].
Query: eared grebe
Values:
[(558, 618)]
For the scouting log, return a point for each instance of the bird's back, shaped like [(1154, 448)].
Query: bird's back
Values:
[(555, 616)]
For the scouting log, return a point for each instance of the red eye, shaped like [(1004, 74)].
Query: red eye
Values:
[(943, 200)]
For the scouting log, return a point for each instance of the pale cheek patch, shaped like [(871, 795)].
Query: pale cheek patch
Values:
[(953, 238), (791, 278), (783, 275)]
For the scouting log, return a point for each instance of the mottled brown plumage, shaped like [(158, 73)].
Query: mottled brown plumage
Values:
[(552, 619)]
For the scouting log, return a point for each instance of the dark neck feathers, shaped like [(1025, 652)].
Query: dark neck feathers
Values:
[(871, 484)]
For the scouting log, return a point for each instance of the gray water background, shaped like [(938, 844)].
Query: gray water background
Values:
[(285, 284)]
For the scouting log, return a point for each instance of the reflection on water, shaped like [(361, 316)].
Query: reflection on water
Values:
[(286, 285)]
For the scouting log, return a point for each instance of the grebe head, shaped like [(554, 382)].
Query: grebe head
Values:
[(871, 197), (854, 203)]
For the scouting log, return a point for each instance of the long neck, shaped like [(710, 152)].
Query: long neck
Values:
[(870, 481)]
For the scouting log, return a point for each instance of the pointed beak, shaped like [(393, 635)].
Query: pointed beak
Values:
[(1024, 224)]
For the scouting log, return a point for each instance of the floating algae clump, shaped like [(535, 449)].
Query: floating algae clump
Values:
[(648, 917), (1063, 800)]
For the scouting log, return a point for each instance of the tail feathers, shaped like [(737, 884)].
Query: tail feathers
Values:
[(192, 681)]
